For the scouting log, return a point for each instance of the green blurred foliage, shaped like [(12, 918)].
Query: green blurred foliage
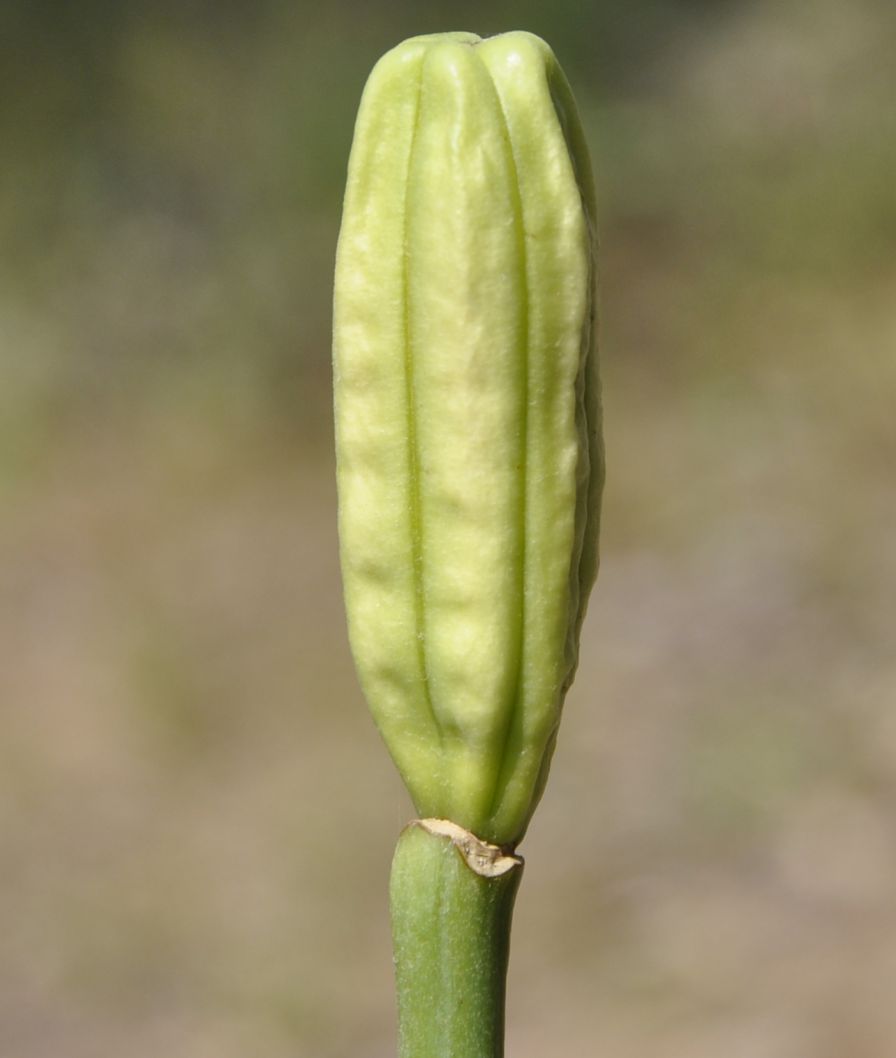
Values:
[(197, 816)]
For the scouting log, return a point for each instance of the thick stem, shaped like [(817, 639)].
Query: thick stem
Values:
[(452, 901)]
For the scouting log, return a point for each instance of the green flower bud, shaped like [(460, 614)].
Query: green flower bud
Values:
[(467, 416)]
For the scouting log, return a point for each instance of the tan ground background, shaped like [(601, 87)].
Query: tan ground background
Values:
[(196, 815)]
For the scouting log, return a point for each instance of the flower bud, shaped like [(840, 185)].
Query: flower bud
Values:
[(467, 416)]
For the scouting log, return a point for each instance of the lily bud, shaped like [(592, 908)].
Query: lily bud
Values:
[(470, 464)]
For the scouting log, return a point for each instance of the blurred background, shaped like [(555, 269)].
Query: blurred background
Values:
[(196, 814)]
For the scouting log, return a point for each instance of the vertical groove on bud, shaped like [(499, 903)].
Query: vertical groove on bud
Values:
[(515, 699), (414, 511)]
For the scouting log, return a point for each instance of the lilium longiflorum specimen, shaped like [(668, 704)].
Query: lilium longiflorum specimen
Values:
[(470, 468)]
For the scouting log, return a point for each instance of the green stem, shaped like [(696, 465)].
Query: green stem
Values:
[(452, 901)]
